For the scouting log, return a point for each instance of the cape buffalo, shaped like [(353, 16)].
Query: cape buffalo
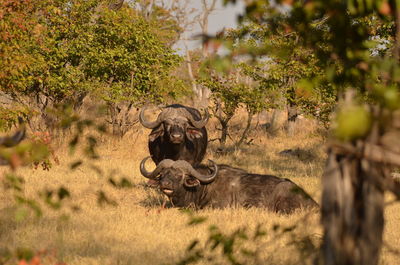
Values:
[(178, 133), (10, 141), (224, 186)]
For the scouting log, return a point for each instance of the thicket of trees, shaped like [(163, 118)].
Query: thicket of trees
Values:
[(60, 52)]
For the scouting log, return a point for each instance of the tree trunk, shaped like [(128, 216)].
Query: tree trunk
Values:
[(293, 112), (196, 90), (354, 182), (352, 211), (207, 9), (246, 130), (273, 124), (224, 132), (121, 117)]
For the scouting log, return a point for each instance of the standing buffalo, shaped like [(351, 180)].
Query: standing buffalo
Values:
[(177, 134), (224, 186), (9, 141)]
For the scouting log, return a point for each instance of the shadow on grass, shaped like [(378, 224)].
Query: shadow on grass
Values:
[(304, 155)]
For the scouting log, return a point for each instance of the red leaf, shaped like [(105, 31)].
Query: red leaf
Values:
[(385, 9)]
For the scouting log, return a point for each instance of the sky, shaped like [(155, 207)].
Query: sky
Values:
[(222, 17)]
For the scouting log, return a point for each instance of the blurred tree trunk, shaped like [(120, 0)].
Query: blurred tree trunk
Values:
[(355, 179), (352, 211)]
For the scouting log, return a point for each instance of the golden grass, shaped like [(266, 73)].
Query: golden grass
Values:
[(137, 231)]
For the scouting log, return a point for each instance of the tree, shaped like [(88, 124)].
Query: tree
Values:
[(288, 67), (230, 91), (130, 64), (363, 147), (20, 35), (49, 42), (72, 49)]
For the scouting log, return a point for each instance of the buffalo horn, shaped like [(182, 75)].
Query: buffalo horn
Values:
[(148, 124), (203, 178), (201, 123), (152, 175), (13, 140)]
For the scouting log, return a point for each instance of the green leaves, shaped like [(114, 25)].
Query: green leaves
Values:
[(388, 96), (352, 122), (65, 50), (364, 7)]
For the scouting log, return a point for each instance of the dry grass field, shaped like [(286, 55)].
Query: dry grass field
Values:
[(138, 231)]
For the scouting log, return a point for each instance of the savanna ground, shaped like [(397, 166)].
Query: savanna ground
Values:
[(138, 231)]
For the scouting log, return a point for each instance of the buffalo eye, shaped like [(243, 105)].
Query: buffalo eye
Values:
[(194, 133), (191, 182)]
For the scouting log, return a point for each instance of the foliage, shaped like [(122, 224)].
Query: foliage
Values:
[(282, 62), (19, 34), (231, 91), (319, 49), (58, 52), (45, 139), (244, 245), (127, 58), (360, 63), (9, 117), (166, 24)]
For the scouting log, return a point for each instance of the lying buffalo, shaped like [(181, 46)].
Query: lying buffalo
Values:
[(178, 133), (225, 186), (10, 141)]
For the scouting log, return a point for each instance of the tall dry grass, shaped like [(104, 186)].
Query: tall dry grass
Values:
[(138, 231)]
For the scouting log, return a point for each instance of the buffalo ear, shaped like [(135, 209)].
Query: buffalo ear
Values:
[(156, 133), (191, 182), (193, 133)]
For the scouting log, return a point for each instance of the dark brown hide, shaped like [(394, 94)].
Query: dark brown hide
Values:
[(233, 187), (176, 137)]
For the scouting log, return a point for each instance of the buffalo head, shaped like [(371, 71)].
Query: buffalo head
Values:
[(175, 175), (174, 123)]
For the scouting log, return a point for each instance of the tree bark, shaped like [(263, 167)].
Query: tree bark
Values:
[(355, 178), (207, 9), (293, 112), (246, 130), (224, 133), (121, 118), (352, 211), (195, 88)]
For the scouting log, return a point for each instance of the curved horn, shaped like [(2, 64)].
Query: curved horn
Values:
[(200, 123), (143, 170), (193, 172), (13, 140), (152, 175), (148, 124)]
